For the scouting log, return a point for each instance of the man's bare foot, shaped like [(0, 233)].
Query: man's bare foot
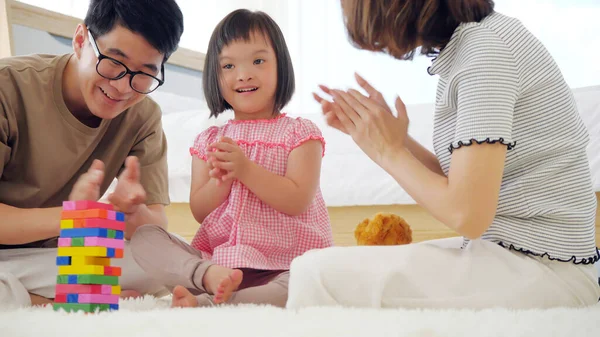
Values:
[(130, 294), (37, 300), (183, 298), (221, 282)]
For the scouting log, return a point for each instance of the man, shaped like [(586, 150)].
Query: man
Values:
[(69, 125)]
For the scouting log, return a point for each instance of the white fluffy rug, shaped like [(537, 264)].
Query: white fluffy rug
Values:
[(149, 317)]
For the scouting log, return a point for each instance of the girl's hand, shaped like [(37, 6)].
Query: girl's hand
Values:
[(372, 125), (215, 173), (228, 157)]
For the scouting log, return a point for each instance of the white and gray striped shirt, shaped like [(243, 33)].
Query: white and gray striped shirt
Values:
[(499, 84)]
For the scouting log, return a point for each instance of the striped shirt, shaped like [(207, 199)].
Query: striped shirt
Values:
[(497, 83)]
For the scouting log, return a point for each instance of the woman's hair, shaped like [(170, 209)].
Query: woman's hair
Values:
[(239, 25), (399, 27)]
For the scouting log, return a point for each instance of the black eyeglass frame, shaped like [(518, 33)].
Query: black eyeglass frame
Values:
[(128, 71)]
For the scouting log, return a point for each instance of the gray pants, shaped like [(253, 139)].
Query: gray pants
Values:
[(173, 262), (34, 270)]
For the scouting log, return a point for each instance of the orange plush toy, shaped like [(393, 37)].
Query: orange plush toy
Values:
[(384, 229)]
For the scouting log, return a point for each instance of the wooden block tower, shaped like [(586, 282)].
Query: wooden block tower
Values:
[(91, 235)]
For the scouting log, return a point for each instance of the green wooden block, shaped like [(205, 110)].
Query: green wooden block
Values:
[(112, 233), (85, 307), (77, 242), (87, 279)]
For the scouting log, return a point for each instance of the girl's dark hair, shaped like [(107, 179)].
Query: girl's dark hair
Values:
[(399, 27), (239, 25), (159, 22)]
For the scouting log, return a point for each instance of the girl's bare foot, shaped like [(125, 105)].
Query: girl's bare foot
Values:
[(221, 282), (37, 300), (130, 294), (183, 298)]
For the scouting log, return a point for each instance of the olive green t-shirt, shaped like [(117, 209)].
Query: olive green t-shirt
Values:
[(44, 148)]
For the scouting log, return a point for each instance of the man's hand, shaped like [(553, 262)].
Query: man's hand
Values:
[(129, 193), (87, 186)]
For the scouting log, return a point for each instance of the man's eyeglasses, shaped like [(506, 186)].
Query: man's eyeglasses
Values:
[(112, 69)]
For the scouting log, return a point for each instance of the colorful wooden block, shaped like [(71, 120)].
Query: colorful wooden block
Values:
[(87, 279), (104, 242), (98, 223), (85, 205), (72, 298), (63, 260), (98, 298), (87, 214), (86, 307), (90, 270), (89, 261), (71, 242), (63, 289), (118, 216), (68, 223), (83, 232), (64, 242), (112, 271), (84, 251), (77, 270)]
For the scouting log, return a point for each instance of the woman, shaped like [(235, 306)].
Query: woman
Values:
[(509, 174)]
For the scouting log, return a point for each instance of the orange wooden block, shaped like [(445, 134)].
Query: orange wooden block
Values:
[(112, 271), (118, 254), (87, 214)]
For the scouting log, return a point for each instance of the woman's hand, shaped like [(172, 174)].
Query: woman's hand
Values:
[(229, 157), (370, 121)]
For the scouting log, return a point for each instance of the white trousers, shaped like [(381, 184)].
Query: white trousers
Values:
[(34, 270), (438, 274)]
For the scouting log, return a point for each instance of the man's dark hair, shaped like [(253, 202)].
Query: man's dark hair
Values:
[(160, 22), (239, 26)]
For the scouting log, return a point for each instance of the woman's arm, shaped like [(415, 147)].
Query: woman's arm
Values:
[(466, 200), (424, 155)]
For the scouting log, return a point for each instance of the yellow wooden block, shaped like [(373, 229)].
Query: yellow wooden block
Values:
[(116, 290), (78, 270), (90, 261), (82, 251), (67, 224)]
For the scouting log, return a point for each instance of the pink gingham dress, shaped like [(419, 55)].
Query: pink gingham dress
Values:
[(245, 232)]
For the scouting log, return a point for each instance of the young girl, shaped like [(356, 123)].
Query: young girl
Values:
[(255, 181), (510, 172)]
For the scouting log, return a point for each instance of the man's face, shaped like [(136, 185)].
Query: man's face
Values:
[(107, 98)]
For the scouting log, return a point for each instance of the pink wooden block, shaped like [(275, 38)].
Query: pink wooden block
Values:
[(64, 242), (112, 215), (81, 205), (64, 289), (104, 223), (104, 242), (69, 206), (98, 299)]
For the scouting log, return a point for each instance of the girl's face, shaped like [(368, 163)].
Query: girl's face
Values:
[(248, 79)]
